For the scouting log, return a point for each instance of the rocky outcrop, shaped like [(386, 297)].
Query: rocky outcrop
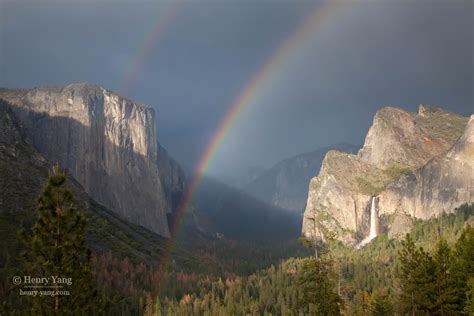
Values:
[(108, 143), (285, 184), (337, 200), (410, 139), (444, 183), (400, 149)]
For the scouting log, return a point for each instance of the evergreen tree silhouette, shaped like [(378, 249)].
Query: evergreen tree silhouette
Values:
[(57, 249)]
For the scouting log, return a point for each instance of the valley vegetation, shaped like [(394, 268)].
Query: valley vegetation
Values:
[(429, 272)]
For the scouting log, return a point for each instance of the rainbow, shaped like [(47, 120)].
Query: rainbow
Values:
[(267, 73), (165, 17)]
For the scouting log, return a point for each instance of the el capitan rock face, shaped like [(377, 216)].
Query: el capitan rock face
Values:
[(406, 161), (24, 172), (108, 144)]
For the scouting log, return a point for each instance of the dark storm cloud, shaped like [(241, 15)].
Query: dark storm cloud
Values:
[(368, 54)]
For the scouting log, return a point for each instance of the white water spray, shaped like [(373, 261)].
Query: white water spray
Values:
[(374, 219), (374, 223)]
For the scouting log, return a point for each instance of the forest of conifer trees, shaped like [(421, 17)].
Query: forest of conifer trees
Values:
[(429, 272)]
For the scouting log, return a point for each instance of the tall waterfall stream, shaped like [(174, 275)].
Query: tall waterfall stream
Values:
[(374, 223)]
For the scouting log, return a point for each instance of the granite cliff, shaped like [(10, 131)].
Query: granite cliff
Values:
[(441, 185), (285, 185), (416, 164), (107, 143), (23, 173)]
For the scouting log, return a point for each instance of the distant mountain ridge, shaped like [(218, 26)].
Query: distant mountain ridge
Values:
[(108, 144), (225, 211), (285, 185), (419, 165)]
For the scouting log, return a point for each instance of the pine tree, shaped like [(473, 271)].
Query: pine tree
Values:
[(445, 290), (408, 256), (381, 306), (57, 249), (319, 295), (417, 277), (462, 268)]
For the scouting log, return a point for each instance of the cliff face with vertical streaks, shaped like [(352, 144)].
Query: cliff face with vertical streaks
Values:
[(109, 145)]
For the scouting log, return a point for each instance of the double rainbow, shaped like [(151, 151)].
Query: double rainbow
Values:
[(306, 31)]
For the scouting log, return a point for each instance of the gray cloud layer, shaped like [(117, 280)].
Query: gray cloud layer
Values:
[(366, 55)]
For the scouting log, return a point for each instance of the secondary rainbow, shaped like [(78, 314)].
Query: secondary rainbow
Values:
[(164, 19)]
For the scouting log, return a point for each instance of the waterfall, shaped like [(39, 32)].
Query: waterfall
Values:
[(374, 220), (374, 223)]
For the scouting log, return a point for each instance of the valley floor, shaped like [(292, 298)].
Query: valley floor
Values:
[(369, 281)]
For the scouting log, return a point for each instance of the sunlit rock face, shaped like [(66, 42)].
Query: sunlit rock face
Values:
[(444, 183), (408, 161), (404, 138), (107, 142), (285, 185), (334, 202)]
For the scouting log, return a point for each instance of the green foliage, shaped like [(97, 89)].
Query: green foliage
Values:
[(374, 185), (445, 285), (445, 126), (372, 269), (222, 257), (367, 279), (436, 284), (56, 248), (381, 306), (370, 187), (295, 287), (417, 279), (396, 170), (462, 269), (317, 288), (469, 305)]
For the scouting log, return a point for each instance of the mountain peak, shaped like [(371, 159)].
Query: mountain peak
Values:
[(398, 136)]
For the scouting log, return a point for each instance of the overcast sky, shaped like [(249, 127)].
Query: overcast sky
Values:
[(361, 56)]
